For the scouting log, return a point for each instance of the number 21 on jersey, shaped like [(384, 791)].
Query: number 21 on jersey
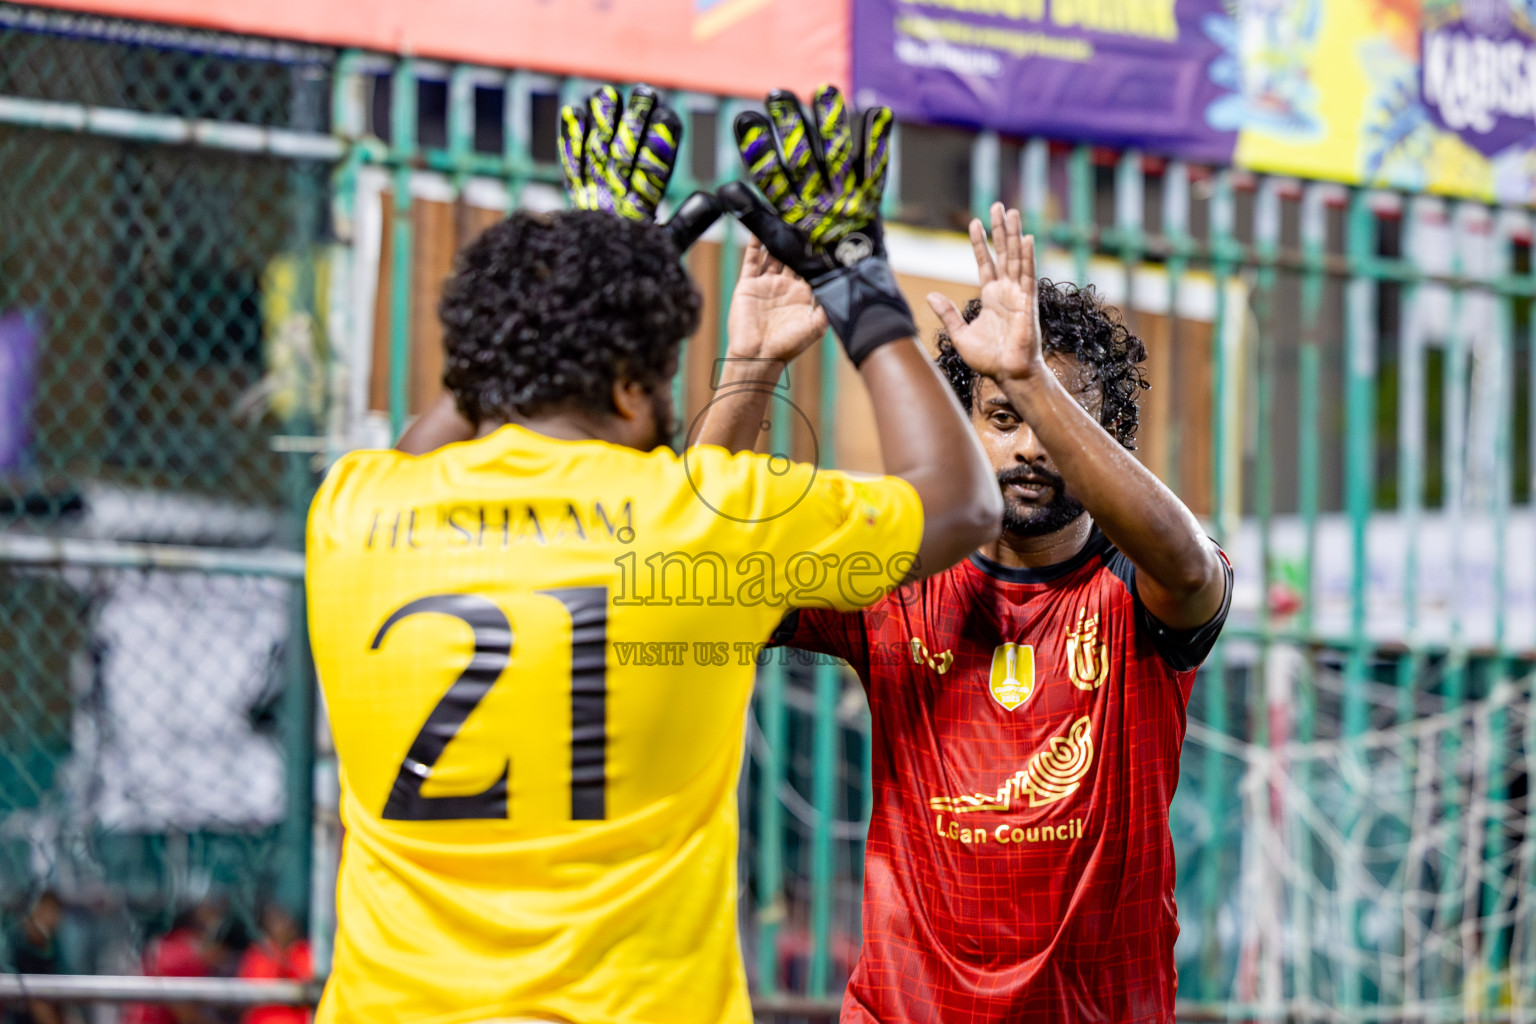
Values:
[(495, 663)]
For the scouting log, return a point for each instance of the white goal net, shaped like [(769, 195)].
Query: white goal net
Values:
[(1385, 875)]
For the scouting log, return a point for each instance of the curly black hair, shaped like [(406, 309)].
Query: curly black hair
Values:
[(550, 310), (1077, 323)]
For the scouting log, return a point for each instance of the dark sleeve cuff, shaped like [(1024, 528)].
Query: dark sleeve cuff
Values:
[(1186, 649), (783, 634)]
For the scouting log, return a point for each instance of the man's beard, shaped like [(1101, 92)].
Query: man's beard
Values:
[(1035, 520)]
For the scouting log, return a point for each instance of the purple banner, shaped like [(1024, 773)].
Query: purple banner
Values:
[(1478, 77), (19, 337), (1124, 73)]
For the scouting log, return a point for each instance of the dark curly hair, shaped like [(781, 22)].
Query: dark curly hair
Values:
[(548, 310), (1077, 323)]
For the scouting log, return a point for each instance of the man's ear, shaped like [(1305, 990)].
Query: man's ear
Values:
[(631, 400)]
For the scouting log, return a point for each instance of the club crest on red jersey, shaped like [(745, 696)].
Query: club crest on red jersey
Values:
[(938, 662), (1087, 653), (1013, 674)]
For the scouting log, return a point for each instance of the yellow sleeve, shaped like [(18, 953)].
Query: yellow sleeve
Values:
[(828, 539)]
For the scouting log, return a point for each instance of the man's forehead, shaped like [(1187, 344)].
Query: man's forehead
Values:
[(1078, 379)]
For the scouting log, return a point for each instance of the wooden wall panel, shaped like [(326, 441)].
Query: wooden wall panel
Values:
[(704, 347), (435, 240), (1154, 437), (378, 376), (1173, 438), (438, 231)]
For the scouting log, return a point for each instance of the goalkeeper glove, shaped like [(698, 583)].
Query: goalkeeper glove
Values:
[(622, 165), (824, 183)]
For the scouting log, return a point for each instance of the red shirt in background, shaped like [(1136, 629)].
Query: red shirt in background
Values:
[(175, 955), (266, 961)]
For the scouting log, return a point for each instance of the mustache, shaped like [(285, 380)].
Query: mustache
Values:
[(1031, 475)]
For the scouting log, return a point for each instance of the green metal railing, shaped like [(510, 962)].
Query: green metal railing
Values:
[(1352, 823)]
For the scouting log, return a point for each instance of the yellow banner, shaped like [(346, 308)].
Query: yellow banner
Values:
[(1435, 96)]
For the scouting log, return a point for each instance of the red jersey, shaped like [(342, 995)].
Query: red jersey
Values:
[(177, 954), (1026, 735), (265, 961)]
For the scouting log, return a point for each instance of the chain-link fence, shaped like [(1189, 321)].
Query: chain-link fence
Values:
[(157, 286)]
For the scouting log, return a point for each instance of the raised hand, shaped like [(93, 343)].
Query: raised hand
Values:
[(773, 313), (1004, 341)]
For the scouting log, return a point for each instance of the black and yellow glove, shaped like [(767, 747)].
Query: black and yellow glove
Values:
[(622, 164), (824, 182), (825, 177)]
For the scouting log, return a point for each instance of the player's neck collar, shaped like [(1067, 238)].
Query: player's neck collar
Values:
[(1094, 547)]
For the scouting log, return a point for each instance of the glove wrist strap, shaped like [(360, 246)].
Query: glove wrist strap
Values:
[(865, 307), (876, 326)]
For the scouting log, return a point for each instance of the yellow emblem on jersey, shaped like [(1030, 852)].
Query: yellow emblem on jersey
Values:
[(1054, 772), (1087, 655), (938, 662), (1013, 674)]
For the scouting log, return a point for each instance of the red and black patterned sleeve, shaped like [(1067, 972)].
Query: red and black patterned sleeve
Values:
[(1182, 649), (840, 634)]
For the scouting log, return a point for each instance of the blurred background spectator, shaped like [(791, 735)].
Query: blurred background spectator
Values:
[(35, 950), (281, 952)]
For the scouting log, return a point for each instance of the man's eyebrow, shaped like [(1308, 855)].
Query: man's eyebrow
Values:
[(999, 400)]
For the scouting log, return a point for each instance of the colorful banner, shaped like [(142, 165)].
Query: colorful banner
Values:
[(1439, 97), (735, 47), (1421, 95), (1129, 73)]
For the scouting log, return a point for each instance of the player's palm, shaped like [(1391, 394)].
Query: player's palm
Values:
[(773, 313), (1003, 341)]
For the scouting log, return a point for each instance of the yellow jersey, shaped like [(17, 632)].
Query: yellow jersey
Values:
[(536, 657)]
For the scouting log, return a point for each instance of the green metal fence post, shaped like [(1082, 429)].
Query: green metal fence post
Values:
[(1266, 249), (682, 185), (1496, 946), (1267, 692), (825, 747), (824, 796), (984, 176), (770, 822), (773, 722), (1313, 231), (1360, 428), (516, 132), (402, 127), (1224, 250), (1360, 425), (1080, 196), (1314, 239), (1034, 183), (1129, 235), (1454, 797), (1175, 228), (890, 200), (298, 718), (727, 168)]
